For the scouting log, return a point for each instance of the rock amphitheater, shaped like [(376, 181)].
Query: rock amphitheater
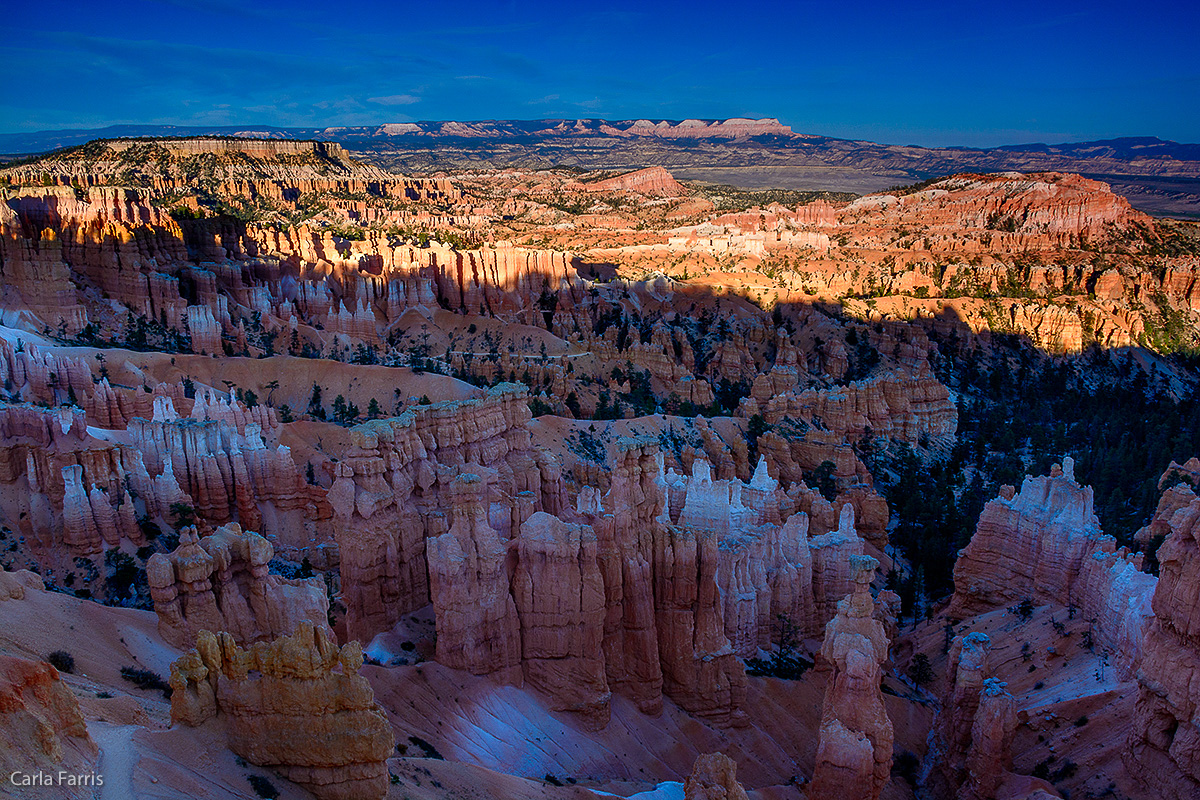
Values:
[(374, 493)]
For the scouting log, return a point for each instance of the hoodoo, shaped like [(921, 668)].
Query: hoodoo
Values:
[(506, 478)]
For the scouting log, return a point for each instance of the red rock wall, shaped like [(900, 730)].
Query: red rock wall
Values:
[(1164, 743)]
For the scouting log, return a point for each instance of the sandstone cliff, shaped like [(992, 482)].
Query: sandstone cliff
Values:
[(221, 583), (559, 595), (950, 741), (391, 495), (477, 624), (1045, 544), (1164, 742), (992, 732)]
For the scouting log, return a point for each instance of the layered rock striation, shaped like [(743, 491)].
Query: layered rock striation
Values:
[(854, 757), (1045, 544), (41, 728), (653, 181), (392, 493), (1164, 742), (221, 582), (296, 705)]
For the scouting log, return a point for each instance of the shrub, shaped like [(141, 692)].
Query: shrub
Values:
[(147, 680), (184, 515), (262, 787), (1024, 609), (787, 668), (429, 750), (1066, 770), (1079, 723), (920, 670), (62, 661)]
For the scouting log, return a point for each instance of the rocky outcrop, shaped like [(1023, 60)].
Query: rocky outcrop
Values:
[(222, 583), (296, 705), (34, 279), (41, 729), (714, 777), (14, 585), (833, 556), (700, 670), (226, 472), (854, 757), (477, 625), (903, 407), (951, 739), (239, 168), (1039, 210), (71, 487), (990, 756), (559, 595), (664, 628), (392, 492), (1045, 544), (1164, 742), (624, 520), (652, 181), (89, 520), (1178, 484), (765, 570), (88, 488), (772, 576)]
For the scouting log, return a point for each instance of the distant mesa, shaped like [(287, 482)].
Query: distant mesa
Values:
[(650, 181), (669, 129), (697, 129)]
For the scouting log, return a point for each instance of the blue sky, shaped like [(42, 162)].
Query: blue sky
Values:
[(947, 73)]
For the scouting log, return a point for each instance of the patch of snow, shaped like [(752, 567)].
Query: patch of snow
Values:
[(667, 790)]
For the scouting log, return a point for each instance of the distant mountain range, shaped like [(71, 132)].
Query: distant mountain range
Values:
[(1156, 175)]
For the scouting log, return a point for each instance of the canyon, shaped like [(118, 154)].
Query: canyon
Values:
[(569, 484)]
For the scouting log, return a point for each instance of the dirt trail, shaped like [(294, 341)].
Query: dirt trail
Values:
[(117, 759)]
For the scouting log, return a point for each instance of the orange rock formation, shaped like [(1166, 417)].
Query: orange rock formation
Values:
[(296, 705), (1164, 743), (854, 757), (714, 777), (221, 583)]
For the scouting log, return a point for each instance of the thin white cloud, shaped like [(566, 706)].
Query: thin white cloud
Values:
[(395, 100)]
